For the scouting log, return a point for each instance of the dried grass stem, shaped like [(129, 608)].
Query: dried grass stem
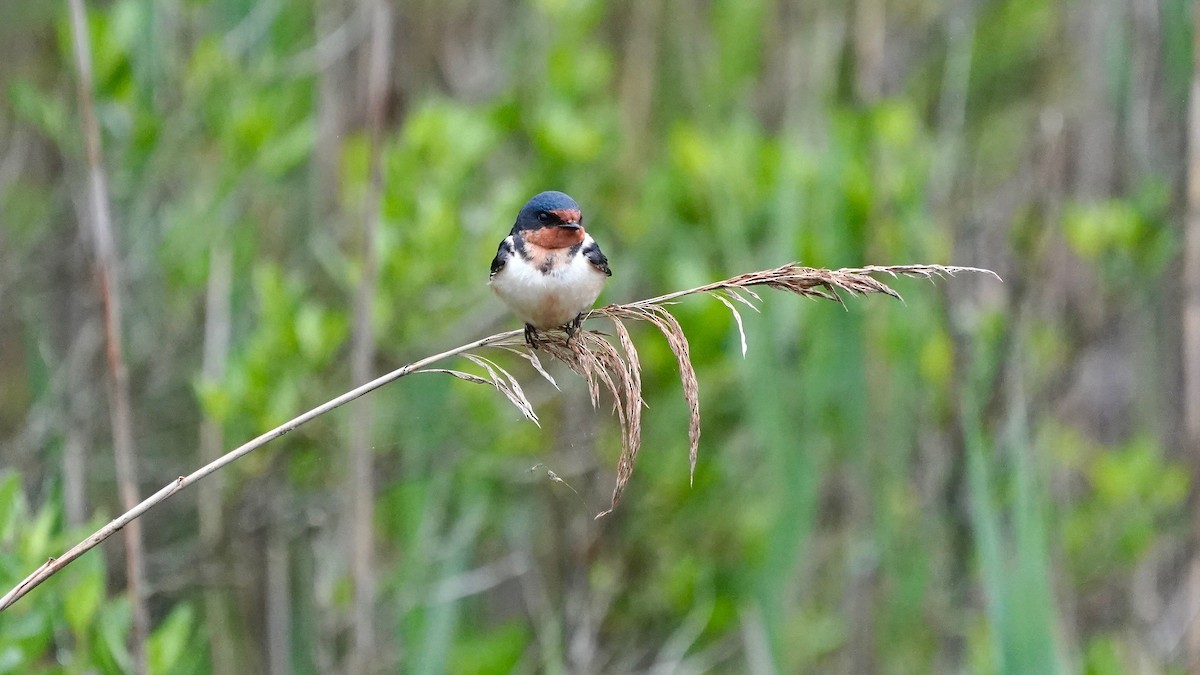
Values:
[(589, 353)]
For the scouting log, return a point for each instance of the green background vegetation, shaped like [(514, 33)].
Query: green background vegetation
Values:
[(986, 478)]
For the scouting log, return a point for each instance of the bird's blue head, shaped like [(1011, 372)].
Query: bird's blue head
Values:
[(550, 210)]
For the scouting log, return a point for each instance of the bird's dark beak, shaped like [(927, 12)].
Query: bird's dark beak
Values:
[(572, 225)]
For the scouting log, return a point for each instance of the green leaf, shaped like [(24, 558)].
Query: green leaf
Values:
[(1096, 229), (495, 652), (937, 358), (288, 151), (36, 543), (29, 630), (46, 113), (214, 399), (109, 651), (12, 504), (83, 598), (569, 133), (169, 642), (309, 331)]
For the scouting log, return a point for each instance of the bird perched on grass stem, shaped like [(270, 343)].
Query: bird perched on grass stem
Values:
[(549, 270)]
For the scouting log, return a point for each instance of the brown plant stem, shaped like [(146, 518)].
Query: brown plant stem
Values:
[(362, 358), (109, 271), (278, 576), (217, 328), (594, 358), (1191, 327)]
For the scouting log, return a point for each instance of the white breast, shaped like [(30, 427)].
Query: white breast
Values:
[(549, 299)]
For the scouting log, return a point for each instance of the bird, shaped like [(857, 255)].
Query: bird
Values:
[(549, 270)]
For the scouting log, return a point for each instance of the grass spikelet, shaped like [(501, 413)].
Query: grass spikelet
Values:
[(632, 428), (533, 359), (668, 325)]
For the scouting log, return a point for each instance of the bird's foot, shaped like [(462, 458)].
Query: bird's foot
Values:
[(572, 329), (531, 337)]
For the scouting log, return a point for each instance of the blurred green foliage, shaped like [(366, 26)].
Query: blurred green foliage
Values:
[(878, 487), (74, 627)]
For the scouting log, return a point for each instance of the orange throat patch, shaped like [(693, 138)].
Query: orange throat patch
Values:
[(553, 237)]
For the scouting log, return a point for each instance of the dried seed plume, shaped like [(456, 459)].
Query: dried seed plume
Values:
[(615, 368)]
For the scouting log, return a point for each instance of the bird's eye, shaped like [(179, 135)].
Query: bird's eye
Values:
[(543, 217)]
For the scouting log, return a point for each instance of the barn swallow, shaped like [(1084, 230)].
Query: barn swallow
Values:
[(549, 270)]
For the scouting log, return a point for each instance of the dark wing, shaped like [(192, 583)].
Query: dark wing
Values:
[(592, 252), (502, 255)]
